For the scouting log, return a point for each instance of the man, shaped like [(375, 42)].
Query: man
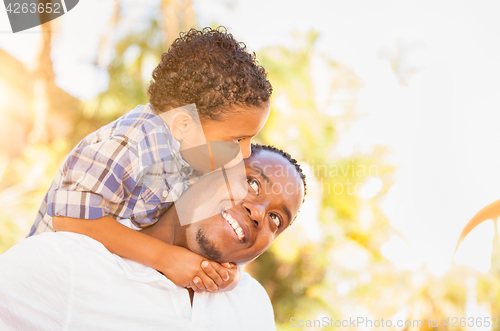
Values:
[(68, 281)]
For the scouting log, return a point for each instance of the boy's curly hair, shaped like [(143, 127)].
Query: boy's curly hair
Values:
[(210, 69)]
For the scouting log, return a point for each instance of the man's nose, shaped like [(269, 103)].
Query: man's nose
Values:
[(256, 211)]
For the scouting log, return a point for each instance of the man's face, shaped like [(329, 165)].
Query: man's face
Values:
[(240, 233)]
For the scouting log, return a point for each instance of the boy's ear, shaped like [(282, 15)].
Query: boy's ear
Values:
[(180, 124)]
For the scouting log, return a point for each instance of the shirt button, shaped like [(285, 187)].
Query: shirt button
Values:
[(165, 193)]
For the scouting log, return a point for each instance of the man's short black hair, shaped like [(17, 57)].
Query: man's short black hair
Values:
[(257, 147), (211, 69)]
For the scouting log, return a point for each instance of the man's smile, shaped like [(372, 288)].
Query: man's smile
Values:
[(236, 227)]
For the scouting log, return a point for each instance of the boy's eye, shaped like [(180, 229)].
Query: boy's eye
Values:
[(237, 141), (276, 220), (254, 185)]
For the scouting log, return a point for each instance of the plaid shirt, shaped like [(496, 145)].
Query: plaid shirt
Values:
[(128, 169)]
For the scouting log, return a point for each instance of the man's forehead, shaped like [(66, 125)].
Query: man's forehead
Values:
[(268, 164), (259, 160), (276, 170)]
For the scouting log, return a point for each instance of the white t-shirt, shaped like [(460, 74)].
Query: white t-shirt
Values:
[(67, 281)]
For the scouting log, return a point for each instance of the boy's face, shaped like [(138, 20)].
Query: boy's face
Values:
[(240, 125)]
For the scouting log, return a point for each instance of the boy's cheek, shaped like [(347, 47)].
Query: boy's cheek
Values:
[(206, 159)]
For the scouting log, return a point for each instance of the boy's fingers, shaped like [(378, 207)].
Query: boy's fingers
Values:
[(193, 286), (209, 283), (214, 271), (228, 265), (197, 285)]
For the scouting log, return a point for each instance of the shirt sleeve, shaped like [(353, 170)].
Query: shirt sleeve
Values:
[(93, 176), (35, 278)]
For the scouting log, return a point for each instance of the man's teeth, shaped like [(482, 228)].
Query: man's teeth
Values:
[(234, 224)]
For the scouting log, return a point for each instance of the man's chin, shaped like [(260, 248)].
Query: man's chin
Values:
[(208, 249)]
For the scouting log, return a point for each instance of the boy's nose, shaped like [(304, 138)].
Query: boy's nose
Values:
[(246, 149)]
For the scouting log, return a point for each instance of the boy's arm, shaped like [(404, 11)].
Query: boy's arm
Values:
[(179, 264), (213, 269)]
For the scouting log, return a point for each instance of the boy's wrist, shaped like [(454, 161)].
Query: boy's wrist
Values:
[(163, 262)]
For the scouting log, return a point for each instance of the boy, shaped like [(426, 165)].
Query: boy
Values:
[(134, 167)]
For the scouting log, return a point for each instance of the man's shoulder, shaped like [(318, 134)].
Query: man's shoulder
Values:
[(61, 241), (61, 245), (48, 254), (49, 240), (248, 283), (249, 287), (240, 307)]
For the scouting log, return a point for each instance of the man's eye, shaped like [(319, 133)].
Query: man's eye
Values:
[(254, 185), (276, 220)]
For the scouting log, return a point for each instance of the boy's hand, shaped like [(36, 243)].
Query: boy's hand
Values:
[(225, 275), (187, 269), (182, 266)]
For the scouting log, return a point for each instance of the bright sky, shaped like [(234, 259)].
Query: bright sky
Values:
[(442, 128)]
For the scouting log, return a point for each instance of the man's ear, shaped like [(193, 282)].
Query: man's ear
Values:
[(180, 124)]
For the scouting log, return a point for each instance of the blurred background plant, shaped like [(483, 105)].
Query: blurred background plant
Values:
[(335, 260)]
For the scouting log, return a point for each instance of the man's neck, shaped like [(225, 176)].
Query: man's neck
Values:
[(167, 229)]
